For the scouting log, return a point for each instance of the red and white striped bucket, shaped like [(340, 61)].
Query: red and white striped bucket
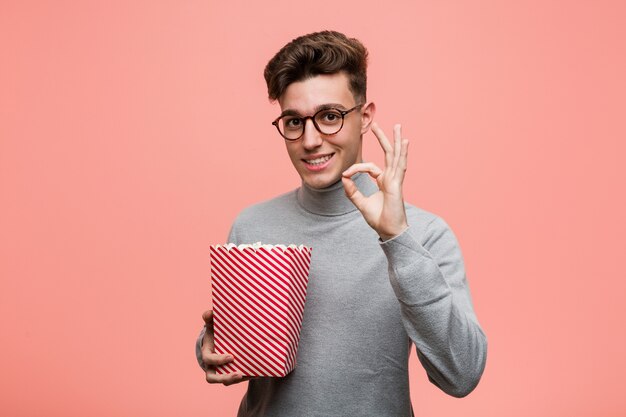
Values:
[(258, 301)]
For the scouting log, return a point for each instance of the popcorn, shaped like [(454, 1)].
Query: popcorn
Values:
[(259, 292)]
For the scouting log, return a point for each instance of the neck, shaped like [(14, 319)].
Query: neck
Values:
[(332, 200)]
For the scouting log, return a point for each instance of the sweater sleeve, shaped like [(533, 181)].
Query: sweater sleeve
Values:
[(232, 238), (436, 307)]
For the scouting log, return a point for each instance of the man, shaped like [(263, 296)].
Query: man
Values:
[(384, 274)]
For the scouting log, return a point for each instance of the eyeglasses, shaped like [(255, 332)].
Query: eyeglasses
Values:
[(327, 121)]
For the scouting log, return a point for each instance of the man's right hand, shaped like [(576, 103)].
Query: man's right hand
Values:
[(211, 359)]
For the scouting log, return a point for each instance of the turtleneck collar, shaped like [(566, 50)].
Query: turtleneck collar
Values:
[(332, 200)]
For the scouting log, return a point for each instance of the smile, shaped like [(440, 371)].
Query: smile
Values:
[(318, 161)]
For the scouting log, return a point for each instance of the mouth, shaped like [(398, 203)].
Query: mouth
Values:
[(318, 163)]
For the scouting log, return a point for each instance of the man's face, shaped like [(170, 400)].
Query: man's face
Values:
[(338, 151)]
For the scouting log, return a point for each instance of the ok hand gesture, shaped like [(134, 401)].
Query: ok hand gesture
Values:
[(384, 210)]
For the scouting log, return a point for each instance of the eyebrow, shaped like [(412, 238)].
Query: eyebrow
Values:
[(325, 106)]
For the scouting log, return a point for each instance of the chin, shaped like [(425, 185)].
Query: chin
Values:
[(319, 183)]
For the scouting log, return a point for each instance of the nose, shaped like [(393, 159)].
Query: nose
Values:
[(311, 138)]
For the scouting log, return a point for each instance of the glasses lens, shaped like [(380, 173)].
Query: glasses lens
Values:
[(291, 127), (329, 121)]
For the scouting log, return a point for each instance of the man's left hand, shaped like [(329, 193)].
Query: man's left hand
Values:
[(384, 210)]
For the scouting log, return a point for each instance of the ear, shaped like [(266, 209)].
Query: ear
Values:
[(367, 116)]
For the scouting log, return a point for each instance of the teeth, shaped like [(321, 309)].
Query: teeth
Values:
[(318, 161)]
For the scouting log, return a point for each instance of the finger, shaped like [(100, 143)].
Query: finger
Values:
[(215, 359), (352, 192), (226, 379), (384, 143), (397, 146), (368, 167), (236, 379), (208, 339), (207, 316), (243, 379), (402, 164)]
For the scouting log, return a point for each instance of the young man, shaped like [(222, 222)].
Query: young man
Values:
[(384, 274)]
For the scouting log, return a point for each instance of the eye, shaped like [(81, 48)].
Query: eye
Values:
[(292, 122), (329, 117)]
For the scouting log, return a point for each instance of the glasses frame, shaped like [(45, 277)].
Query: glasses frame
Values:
[(304, 119)]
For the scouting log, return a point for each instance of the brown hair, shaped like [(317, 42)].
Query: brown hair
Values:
[(325, 52)]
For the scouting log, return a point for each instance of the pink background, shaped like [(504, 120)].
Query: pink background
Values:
[(131, 134)]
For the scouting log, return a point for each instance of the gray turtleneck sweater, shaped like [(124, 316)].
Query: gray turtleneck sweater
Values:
[(368, 301)]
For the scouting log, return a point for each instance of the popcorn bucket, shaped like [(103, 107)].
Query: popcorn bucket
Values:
[(258, 293)]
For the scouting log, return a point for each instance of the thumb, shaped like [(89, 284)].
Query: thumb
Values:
[(352, 192), (207, 316)]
